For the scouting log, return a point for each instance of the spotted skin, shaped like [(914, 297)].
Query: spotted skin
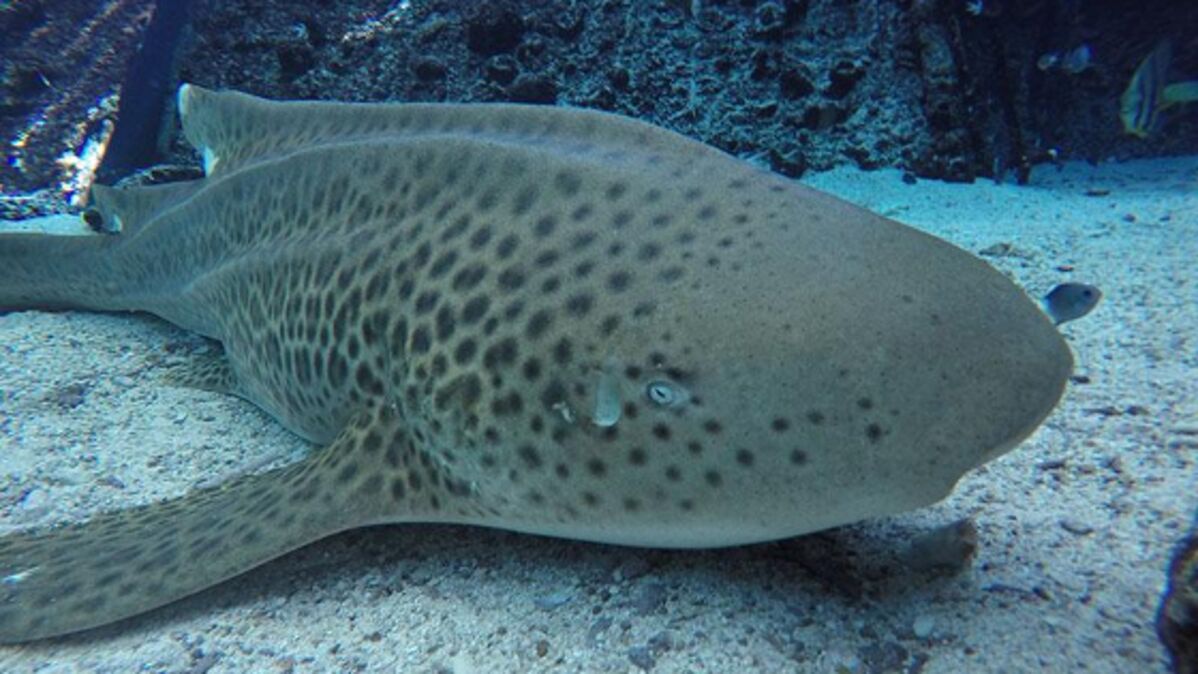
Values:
[(542, 319)]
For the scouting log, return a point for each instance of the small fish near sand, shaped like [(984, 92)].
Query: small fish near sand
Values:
[(1148, 95), (543, 319), (1071, 301)]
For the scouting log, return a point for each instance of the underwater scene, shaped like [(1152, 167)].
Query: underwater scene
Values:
[(438, 336)]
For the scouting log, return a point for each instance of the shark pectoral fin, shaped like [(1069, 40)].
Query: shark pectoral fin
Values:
[(207, 372), (125, 209), (65, 579)]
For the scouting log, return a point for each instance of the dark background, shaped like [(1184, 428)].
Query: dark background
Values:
[(926, 86)]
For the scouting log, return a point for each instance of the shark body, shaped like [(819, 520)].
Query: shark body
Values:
[(548, 320)]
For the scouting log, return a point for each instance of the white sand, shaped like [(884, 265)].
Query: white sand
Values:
[(1067, 577)]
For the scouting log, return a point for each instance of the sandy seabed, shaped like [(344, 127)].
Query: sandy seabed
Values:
[(1075, 527)]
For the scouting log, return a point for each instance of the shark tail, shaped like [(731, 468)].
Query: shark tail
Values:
[(70, 578)]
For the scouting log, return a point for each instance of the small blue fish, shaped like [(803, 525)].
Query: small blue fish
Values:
[(1073, 61), (1147, 94), (1070, 301)]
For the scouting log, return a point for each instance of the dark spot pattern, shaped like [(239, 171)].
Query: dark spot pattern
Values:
[(874, 432)]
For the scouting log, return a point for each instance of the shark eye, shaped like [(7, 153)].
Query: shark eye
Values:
[(662, 393)]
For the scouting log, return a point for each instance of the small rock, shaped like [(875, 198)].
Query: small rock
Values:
[(202, 661), (533, 89), (819, 117), (123, 381), (884, 656), (570, 21), (494, 29), (769, 20), (295, 60), (619, 77), (1113, 464), (502, 69), (71, 396), (542, 648), (923, 626), (652, 599), (843, 78), (552, 601), (843, 663), (1004, 249), (1182, 443), (531, 49), (34, 504), (112, 481), (634, 567), (600, 625), (661, 642), (430, 70), (790, 163), (794, 84), (1075, 527), (765, 109), (419, 576), (642, 657), (949, 548)]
